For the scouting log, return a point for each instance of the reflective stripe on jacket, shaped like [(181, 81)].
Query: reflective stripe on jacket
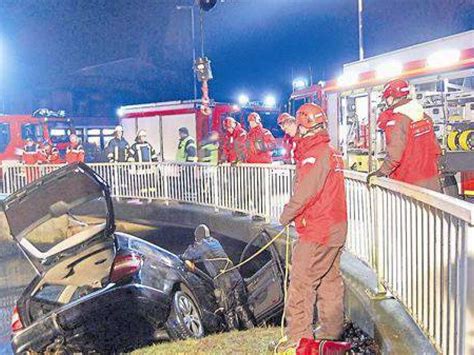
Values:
[(210, 153), (318, 203), (186, 150), (412, 150)]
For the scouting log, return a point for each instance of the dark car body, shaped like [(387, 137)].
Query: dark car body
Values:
[(98, 289)]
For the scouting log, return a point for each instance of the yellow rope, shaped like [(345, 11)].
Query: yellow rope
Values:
[(285, 281), (258, 252)]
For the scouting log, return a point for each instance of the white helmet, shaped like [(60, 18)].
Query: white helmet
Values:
[(118, 128)]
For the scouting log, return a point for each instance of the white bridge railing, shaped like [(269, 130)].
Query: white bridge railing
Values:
[(419, 243)]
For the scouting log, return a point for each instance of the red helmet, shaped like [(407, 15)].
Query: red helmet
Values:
[(255, 117), (228, 121), (396, 88), (310, 115), (285, 117)]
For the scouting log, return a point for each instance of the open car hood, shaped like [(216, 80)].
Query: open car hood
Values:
[(51, 198)]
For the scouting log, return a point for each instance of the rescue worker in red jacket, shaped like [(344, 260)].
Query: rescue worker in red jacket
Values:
[(260, 141), (288, 125), (75, 151), (234, 142), (49, 154), (318, 208), (412, 149), (30, 152)]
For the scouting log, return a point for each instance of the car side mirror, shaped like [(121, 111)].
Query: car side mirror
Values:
[(59, 209)]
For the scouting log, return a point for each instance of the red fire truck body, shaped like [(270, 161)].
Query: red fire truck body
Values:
[(15, 129), (162, 121)]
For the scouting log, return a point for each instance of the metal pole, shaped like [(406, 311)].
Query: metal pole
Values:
[(361, 34), (193, 39), (194, 52), (201, 18)]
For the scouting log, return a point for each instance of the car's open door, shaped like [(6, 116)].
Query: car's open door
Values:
[(263, 277)]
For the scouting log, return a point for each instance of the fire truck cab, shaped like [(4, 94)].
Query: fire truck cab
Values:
[(16, 129)]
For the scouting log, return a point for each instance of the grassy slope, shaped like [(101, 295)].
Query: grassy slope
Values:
[(254, 341)]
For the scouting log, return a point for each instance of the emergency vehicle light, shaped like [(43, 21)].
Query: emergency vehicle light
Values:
[(269, 101), (243, 99), (443, 58), (299, 83), (348, 79), (120, 112), (389, 70)]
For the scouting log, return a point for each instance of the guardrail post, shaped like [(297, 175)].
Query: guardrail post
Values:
[(166, 180), (215, 188), (268, 195), (469, 296), (376, 213)]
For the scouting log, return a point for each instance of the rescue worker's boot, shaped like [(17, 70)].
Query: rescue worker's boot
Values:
[(283, 346)]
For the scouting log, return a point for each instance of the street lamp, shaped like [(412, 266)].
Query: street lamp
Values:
[(191, 9)]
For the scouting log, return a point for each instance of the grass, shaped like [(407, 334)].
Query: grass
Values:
[(253, 341)]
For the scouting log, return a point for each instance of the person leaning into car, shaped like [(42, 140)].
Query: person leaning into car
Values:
[(230, 286)]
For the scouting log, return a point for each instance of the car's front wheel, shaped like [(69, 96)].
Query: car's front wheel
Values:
[(184, 320)]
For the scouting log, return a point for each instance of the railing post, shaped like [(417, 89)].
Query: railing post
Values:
[(376, 211), (468, 335), (215, 187), (268, 195), (166, 180)]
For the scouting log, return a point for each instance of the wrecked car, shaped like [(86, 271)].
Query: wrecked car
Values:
[(96, 289)]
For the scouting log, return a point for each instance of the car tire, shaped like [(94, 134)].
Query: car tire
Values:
[(184, 320)]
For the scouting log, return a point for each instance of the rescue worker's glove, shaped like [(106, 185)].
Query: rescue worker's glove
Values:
[(371, 177)]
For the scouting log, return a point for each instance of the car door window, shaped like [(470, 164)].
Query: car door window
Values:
[(4, 136), (263, 278), (33, 131), (257, 263)]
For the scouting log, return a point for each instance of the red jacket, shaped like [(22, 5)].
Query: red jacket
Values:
[(318, 203), (75, 154), (30, 154), (289, 144), (260, 145), (50, 156), (412, 148), (233, 145)]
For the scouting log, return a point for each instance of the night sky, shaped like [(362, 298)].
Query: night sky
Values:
[(256, 46)]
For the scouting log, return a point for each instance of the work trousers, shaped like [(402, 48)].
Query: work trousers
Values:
[(315, 275)]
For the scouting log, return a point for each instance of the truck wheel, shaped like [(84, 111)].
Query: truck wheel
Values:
[(184, 320)]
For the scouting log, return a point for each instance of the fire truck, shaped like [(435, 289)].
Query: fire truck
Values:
[(42, 125), (163, 119), (441, 76)]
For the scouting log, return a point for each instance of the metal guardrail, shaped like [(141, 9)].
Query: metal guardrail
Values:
[(419, 243)]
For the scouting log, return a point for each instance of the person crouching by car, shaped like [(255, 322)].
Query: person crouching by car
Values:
[(230, 287)]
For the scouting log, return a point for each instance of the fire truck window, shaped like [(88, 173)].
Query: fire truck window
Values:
[(4, 136), (32, 131), (108, 131)]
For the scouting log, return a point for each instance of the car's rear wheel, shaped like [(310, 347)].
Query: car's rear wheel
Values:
[(184, 320)]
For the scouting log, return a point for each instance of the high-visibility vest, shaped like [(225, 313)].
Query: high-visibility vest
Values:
[(210, 153), (181, 154)]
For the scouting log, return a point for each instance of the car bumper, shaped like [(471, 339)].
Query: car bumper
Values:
[(75, 322)]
